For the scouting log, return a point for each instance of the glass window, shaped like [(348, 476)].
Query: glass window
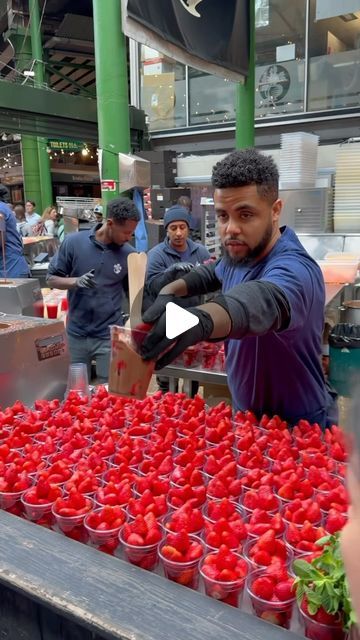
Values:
[(212, 99), (280, 53), (334, 61), (163, 90)]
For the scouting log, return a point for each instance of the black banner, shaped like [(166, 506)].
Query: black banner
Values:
[(215, 31)]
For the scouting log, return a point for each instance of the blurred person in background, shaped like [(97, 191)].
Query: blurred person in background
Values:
[(98, 210), (32, 218), (171, 259), (21, 224), (13, 264), (49, 220)]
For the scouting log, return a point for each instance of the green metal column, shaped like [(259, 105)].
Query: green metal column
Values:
[(111, 88), (245, 96), (37, 54), (29, 148), (31, 173)]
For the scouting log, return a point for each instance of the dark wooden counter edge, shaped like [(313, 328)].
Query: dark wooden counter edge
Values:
[(109, 597)]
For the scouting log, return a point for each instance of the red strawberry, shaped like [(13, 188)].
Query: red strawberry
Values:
[(263, 588), (284, 590)]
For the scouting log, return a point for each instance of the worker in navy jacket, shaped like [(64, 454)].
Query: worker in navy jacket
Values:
[(271, 309), (171, 259), (92, 266)]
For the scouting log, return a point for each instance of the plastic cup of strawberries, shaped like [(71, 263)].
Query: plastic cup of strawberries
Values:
[(38, 501), (224, 573), (321, 626), (140, 539), (180, 554), (271, 594), (69, 512), (267, 550), (103, 526)]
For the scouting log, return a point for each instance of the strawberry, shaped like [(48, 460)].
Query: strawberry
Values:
[(263, 588), (284, 590), (135, 540)]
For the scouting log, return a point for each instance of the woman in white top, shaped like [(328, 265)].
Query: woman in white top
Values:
[(49, 218)]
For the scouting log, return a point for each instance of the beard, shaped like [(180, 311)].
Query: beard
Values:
[(254, 253)]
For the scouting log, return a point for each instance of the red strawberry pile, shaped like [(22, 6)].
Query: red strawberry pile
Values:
[(168, 461)]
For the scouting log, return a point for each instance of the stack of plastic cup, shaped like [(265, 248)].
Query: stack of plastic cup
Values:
[(78, 379)]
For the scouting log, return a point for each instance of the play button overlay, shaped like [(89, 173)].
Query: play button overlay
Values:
[(178, 320)]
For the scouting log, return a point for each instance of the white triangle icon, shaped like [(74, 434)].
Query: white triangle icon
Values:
[(178, 320)]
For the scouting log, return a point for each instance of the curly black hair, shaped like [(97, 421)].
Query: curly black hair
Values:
[(122, 209), (245, 167)]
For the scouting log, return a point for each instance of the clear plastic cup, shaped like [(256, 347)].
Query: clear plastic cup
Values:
[(145, 557), (107, 538), (41, 513), (73, 526), (185, 573), (228, 592), (78, 379), (278, 612), (318, 631), (52, 308)]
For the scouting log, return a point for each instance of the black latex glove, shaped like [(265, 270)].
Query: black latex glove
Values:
[(158, 307), (87, 280), (174, 272), (156, 341)]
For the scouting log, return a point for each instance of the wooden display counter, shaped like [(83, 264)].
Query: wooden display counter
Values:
[(52, 588)]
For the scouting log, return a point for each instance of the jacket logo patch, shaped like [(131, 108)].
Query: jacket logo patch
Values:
[(117, 268)]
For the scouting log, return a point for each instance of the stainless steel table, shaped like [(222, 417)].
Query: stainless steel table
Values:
[(200, 375)]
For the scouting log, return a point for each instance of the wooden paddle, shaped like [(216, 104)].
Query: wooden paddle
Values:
[(137, 270)]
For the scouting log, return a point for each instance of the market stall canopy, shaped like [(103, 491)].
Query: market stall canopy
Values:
[(200, 34)]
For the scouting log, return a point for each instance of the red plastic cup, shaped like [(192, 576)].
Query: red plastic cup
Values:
[(64, 304)]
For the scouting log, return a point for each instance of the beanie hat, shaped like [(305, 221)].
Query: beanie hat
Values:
[(176, 214)]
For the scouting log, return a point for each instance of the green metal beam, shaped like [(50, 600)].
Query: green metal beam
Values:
[(71, 65), (46, 102), (73, 82), (37, 53)]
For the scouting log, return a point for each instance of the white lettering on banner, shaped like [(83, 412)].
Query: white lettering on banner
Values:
[(190, 6)]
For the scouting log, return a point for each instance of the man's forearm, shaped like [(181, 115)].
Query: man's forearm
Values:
[(57, 282)]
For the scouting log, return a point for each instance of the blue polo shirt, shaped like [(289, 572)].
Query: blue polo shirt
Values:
[(280, 373), (16, 265), (91, 311)]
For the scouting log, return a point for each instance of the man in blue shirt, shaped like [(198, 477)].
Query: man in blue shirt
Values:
[(271, 310), (14, 265), (92, 266)]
